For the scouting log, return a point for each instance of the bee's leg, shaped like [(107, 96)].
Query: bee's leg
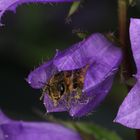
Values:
[(42, 95), (55, 103), (78, 93), (68, 100), (43, 92)]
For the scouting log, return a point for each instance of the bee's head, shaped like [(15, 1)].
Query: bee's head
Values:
[(55, 88)]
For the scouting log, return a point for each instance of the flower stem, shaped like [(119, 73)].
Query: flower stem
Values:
[(126, 68), (138, 134)]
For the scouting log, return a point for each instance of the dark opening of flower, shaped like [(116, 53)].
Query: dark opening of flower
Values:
[(78, 78)]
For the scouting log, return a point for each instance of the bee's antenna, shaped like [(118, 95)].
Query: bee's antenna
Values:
[(46, 86)]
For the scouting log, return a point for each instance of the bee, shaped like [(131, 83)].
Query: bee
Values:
[(65, 83)]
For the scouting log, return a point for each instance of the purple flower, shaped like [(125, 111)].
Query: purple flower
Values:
[(12, 4), (97, 57), (20, 130), (129, 111)]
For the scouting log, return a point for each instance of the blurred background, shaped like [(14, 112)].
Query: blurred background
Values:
[(32, 35)]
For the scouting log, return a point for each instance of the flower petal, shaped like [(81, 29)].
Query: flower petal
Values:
[(102, 56), (38, 77), (103, 59), (20, 130), (12, 4), (37, 131), (135, 41), (50, 105), (129, 111), (3, 118)]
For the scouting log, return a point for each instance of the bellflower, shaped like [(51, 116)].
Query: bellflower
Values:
[(129, 111), (20, 130), (12, 4), (103, 58)]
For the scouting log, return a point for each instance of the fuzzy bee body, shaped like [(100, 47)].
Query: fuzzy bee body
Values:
[(65, 83)]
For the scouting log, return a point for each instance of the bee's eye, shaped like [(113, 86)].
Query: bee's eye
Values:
[(61, 88)]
